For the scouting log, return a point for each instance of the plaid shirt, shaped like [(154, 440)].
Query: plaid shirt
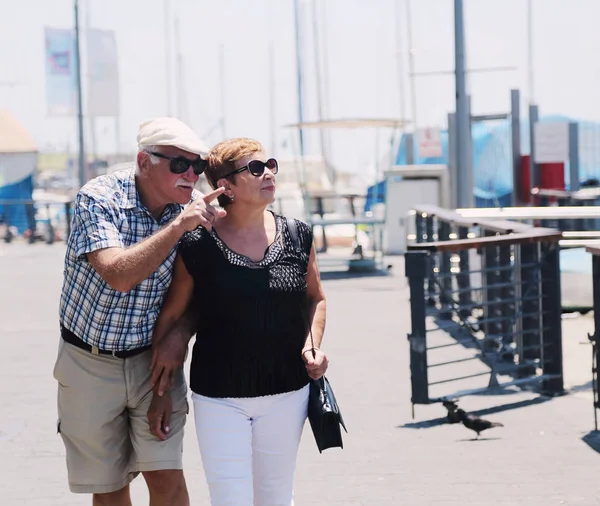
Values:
[(108, 213)]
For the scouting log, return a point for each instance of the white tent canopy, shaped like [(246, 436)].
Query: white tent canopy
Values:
[(18, 151), (14, 138)]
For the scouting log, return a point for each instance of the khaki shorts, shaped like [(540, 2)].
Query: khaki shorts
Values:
[(102, 407)]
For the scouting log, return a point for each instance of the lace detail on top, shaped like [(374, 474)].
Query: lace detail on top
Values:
[(272, 253)]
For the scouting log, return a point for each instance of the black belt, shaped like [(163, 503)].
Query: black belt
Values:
[(71, 338)]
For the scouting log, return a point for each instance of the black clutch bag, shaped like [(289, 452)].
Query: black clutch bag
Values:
[(324, 414)]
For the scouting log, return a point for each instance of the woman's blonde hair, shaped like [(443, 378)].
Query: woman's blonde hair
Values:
[(222, 158)]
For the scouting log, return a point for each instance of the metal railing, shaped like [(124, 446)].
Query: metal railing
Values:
[(580, 224), (485, 306)]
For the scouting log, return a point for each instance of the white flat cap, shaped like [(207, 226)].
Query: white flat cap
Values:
[(170, 132)]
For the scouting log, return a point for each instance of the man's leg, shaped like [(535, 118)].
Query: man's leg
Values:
[(93, 422), (167, 488), (160, 462), (118, 498)]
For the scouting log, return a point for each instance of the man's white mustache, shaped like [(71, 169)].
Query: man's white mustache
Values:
[(184, 183)]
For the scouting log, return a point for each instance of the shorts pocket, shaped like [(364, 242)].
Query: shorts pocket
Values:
[(61, 352)]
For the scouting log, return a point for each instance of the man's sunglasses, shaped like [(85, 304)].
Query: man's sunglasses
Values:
[(256, 167), (180, 164)]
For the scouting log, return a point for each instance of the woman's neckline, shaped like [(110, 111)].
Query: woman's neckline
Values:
[(276, 239)]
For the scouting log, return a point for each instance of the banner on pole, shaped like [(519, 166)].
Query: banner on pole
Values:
[(103, 74), (429, 142), (551, 142), (60, 62)]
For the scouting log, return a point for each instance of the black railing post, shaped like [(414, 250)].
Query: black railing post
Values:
[(30, 213), (463, 280), (490, 294), (431, 238), (50, 227), (596, 335), (420, 229), (545, 202), (507, 293), (532, 322), (446, 278), (552, 360), (417, 271)]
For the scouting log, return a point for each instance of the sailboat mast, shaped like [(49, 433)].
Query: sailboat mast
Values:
[(167, 56), (317, 56), (299, 83), (179, 89)]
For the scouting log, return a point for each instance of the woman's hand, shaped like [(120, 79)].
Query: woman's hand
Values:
[(315, 366)]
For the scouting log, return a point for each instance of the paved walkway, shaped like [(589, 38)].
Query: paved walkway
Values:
[(540, 457)]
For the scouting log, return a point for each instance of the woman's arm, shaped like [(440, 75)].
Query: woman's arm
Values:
[(316, 301), (316, 361), (174, 328)]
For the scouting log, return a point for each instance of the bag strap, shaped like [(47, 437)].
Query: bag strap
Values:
[(292, 225), (293, 230)]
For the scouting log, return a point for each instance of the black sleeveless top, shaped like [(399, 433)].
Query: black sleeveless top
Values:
[(252, 314)]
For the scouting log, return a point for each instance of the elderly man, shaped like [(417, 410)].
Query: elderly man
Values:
[(118, 266)]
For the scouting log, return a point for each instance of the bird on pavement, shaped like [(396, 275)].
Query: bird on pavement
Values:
[(451, 406), (474, 423)]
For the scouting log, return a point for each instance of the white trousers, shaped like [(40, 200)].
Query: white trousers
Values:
[(249, 446)]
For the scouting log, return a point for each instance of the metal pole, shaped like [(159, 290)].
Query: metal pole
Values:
[(317, 57), (179, 87), (400, 60), (530, 51), (574, 157), (518, 197), (272, 101), (452, 160), (167, 57), (300, 91), (92, 119), (272, 95), (82, 171), (324, 27), (464, 178), (410, 148), (300, 94), (411, 66), (551, 344), (222, 87), (534, 169), (417, 272)]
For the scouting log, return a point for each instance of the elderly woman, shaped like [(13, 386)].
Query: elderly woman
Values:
[(255, 291)]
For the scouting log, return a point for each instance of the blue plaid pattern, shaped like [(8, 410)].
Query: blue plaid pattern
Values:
[(108, 213)]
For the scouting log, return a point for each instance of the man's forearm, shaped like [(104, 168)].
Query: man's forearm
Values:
[(129, 267)]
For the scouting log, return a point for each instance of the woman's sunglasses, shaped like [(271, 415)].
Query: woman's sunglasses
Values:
[(256, 167), (180, 164)]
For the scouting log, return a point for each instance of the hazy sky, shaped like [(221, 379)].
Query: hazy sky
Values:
[(358, 38)]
